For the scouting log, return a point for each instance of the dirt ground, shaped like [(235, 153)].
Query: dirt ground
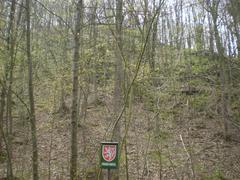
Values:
[(181, 148)]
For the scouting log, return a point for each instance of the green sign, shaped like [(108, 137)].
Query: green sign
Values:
[(109, 155)]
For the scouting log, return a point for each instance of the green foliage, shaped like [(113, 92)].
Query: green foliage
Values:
[(156, 155), (199, 102), (199, 37), (3, 157), (235, 104), (162, 136), (216, 175), (144, 92)]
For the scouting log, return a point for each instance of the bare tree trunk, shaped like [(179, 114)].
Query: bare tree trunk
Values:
[(147, 19), (2, 96), (74, 115), (118, 68), (3, 91), (2, 107), (154, 35), (94, 37), (211, 43), (233, 10), (221, 60), (63, 109), (118, 74), (238, 37), (32, 116), (9, 78)]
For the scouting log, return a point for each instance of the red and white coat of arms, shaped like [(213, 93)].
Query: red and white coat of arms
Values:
[(109, 152)]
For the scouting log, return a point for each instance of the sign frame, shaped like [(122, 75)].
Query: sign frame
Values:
[(109, 155)]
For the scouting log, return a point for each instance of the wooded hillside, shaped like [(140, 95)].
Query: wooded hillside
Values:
[(160, 77)]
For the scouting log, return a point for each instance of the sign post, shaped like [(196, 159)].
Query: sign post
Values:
[(109, 156)]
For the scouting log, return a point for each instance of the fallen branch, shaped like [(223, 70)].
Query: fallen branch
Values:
[(189, 157)]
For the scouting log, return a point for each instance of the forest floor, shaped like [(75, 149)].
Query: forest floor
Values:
[(189, 148)]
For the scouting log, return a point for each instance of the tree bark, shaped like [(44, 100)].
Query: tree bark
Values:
[(154, 35), (233, 10), (75, 71), (9, 78), (94, 44), (32, 116), (2, 103), (118, 75), (118, 67), (222, 63)]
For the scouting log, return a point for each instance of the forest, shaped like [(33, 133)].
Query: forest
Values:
[(120, 89)]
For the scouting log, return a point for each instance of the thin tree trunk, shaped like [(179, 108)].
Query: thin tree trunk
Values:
[(234, 12), (32, 116), (118, 68), (11, 45), (154, 35), (118, 74), (223, 74), (211, 43), (94, 37), (2, 107), (238, 39), (74, 115)]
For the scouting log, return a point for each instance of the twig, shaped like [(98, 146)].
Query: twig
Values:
[(145, 157), (54, 14), (135, 75), (172, 165), (189, 157), (19, 98)]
